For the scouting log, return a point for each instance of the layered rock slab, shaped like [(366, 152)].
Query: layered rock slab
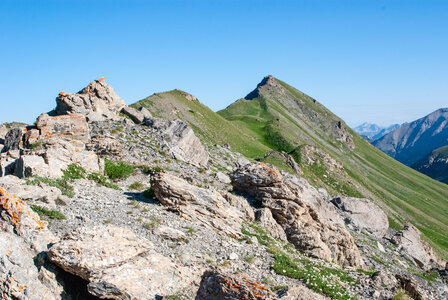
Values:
[(179, 140), (118, 264), (362, 214), (205, 207), (308, 221)]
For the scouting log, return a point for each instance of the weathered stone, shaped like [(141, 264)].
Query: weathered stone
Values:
[(300, 293), (412, 287), (241, 204), (179, 140), (410, 244), (265, 220), (223, 177), (31, 165), (3, 131), (105, 146), (13, 139), (221, 286), (69, 127), (97, 101), (7, 164), (30, 193), (136, 115), (304, 216), (198, 205), (362, 214), (170, 233), (118, 264)]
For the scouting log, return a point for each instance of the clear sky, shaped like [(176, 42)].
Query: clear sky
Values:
[(376, 61)]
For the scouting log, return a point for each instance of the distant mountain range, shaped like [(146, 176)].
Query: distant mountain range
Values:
[(411, 142), (373, 132)]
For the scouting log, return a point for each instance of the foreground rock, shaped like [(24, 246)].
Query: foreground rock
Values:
[(97, 101), (118, 264), (362, 214), (305, 226), (136, 115), (411, 245), (221, 286), (179, 140), (201, 206), (22, 237)]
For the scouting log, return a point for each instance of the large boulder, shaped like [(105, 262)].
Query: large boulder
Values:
[(221, 286), (205, 207), (136, 115), (309, 223), (97, 101), (179, 140), (118, 264), (266, 220), (105, 146), (13, 139), (22, 236), (411, 245), (362, 214), (68, 127)]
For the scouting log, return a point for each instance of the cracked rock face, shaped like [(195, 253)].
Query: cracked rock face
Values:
[(179, 140), (206, 207), (118, 264), (307, 223), (97, 101), (362, 214), (410, 244)]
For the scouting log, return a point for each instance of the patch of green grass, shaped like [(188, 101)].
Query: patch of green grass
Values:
[(117, 170), (249, 259), (62, 184), (52, 214), (190, 230), (278, 288), (102, 180), (107, 221), (138, 186), (154, 222), (401, 295), (74, 171)]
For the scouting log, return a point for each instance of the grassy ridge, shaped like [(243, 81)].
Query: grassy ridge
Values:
[(284, 119)]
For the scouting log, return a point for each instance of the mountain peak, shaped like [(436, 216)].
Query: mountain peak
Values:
[(268, 81)]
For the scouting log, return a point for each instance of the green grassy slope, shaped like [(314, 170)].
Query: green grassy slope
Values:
[(297, 119), (209, 126), (277, 116)]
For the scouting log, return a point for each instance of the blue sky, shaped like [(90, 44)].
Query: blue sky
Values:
[(376, 61)]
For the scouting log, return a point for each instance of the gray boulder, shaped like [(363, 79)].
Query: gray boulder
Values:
[(13, 139), (136, 115), (179, 140), (204, 207), (411, 245), (267, 221), (362, 214), (118, 264), (97, 101)]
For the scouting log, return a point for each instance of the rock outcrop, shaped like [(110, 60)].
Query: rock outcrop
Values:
[(97, 101), (22, 236), (220, 286), (305, 227), (411, 245), (179, 140), (118, 264), (136, 115), (362, 214), (205, 207)]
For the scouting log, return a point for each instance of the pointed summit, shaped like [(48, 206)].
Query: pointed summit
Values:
[(268, 82)]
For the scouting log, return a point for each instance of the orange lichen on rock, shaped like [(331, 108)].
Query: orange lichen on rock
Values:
[(18, 210), (101, 79), (62, 93)]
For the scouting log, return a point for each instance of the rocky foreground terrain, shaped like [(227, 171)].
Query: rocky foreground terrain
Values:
[(99, 200)]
